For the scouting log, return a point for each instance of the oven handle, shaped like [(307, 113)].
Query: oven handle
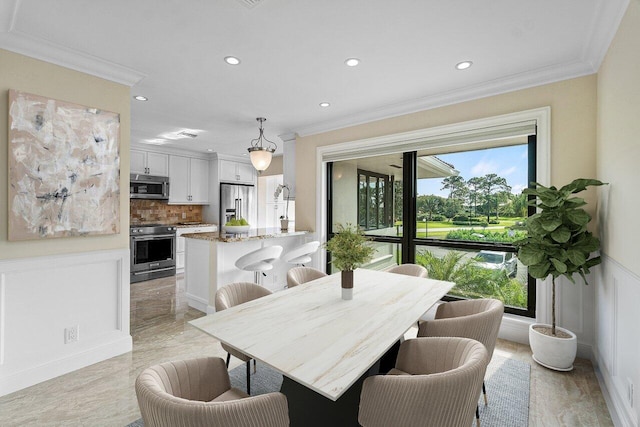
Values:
[(153, 236), (138, 273)]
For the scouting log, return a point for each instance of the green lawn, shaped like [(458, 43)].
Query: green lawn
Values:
[(434, 226)]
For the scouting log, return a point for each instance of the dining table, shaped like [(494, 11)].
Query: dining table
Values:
[(325, 346)]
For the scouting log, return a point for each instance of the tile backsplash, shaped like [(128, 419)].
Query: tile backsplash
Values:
[(154, 211)]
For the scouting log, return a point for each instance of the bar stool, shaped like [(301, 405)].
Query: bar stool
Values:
[(301, 254), (259, 261)]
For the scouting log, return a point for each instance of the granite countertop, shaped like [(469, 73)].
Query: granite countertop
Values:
[(252, 234), (194, 224), (177, 225)]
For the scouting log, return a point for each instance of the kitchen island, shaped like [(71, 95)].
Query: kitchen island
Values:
[(210, 261)]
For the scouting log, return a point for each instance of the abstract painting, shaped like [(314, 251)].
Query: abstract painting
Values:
[(64, 169)]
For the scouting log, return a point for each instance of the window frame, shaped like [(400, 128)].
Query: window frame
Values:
[(429, 137)]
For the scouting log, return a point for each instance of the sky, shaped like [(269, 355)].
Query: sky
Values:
[(507, 162)]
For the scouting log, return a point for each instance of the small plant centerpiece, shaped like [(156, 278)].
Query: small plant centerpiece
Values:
[(349, 249), (284, 219), (557, 244)]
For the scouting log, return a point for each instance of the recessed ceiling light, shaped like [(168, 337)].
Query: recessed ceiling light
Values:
[(324, 104), (352, 62), (140, 98), (210, 150), (231, 60), (463, 65)]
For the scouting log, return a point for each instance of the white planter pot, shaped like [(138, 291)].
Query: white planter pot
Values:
[(553, 352), (347, 293)]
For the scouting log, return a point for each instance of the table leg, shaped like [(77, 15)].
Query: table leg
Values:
[(310, 409)]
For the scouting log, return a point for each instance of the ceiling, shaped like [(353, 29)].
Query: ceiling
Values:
[(293, 52)]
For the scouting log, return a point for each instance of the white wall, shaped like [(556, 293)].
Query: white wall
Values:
[(48, 285), (40, 297), (617, 336)]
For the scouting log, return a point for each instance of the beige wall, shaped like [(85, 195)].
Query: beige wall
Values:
[(573, 134), (42, 78), (618, 145), (275, 167)]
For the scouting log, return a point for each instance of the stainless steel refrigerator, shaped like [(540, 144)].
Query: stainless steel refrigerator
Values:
[(238, 201)]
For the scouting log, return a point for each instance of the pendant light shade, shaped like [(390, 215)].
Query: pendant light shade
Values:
[(261, 155)]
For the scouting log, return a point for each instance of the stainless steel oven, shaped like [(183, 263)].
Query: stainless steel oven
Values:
[(153, 251)]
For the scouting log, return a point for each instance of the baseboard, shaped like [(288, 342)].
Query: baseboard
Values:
[(515, 328), (55, 368), (198, 303), (618, 410)]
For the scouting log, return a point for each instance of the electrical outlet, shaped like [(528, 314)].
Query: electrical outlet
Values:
[(71, 334), (184, 215)]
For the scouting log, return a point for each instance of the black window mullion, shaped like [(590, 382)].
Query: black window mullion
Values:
[(408, 206)]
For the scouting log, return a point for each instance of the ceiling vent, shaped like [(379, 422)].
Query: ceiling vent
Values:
[(250, 4), (188, 134)]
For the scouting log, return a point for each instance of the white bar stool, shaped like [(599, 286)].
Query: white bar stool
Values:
[(302, 254), (259, 261)]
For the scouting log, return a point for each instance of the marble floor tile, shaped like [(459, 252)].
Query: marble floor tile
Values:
[(103, 394)]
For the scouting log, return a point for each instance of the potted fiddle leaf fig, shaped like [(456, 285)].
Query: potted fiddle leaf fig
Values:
[(557, 244), (349, 249)]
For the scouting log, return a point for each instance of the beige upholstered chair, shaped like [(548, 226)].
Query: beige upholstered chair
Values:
[(197, 392), (299, 275), (436, 383), (232, 295), (478, 319), (409, 270)]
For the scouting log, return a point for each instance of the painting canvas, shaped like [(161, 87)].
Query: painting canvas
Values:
[(64, 169)]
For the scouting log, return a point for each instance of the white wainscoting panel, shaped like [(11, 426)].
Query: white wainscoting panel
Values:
[(41, 297), (617, 341)]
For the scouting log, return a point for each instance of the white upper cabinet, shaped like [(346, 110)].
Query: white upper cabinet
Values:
[(149, 163), (189, 180), (230, 171), (199, 181)]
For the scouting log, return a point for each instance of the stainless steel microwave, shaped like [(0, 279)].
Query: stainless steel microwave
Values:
[(149, 187)]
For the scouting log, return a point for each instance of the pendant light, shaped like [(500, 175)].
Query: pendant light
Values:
[(259, 154)]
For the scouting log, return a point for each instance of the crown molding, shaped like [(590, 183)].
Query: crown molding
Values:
[(40, 48), (604, 26), (499, 86)]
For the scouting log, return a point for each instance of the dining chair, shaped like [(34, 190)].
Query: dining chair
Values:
[(198, 392), (299, 275), (478, 319), (409, 270), (235, 294), (436, 383)]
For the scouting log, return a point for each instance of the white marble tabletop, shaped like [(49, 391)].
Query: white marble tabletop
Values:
[(313, 336)]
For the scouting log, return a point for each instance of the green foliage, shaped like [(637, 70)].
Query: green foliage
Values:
[(473, 281), (349, 248), (485, 236), (557, 241)]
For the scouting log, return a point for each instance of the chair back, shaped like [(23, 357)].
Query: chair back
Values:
[(409, 270), (439, 385), (237, 293), (478, 319), (301, 254), (180, 394), (299, 275), (260, 259)]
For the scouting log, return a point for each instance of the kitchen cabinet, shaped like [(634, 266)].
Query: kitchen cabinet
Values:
[(189, 180), (237, 172), (180, 242), (149, 163)]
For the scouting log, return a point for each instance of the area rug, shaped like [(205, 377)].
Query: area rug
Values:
[(507, 384)]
